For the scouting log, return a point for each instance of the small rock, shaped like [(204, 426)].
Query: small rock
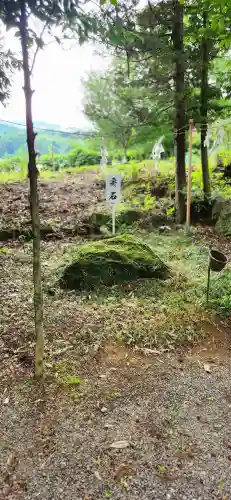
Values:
[(207, 368), (164, 229), (119, 445), (108, 426), (103, 409)]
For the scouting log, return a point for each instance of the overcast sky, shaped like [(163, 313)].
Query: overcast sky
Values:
[(57, 75), (57, 83)]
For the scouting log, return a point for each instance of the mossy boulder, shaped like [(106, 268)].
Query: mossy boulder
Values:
[(223, 225), (111, 261)]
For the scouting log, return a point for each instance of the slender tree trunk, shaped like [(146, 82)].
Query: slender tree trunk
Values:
[(179, 61), (34, 200), (204, 109)]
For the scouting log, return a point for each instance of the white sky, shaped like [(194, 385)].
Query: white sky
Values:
[(57, 78), (57, 83)]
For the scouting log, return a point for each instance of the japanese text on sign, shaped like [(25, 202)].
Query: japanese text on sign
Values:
[(113, 188)]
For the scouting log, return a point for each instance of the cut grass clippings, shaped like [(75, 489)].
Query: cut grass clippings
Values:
[(148, 312)]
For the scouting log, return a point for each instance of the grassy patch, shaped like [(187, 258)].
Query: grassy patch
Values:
[(220, 293), (149, 312)]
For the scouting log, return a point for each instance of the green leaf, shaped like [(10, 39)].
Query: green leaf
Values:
[(30, 43), (222, 484), (161, 468), (40, 42), (113, 2)]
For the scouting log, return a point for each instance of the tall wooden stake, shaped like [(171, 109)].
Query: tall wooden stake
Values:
[(208, 285), (53, 160), (189, 177)]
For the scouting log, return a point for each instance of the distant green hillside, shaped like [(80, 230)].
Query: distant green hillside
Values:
[(13, 139)]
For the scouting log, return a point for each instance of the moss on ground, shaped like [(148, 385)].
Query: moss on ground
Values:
[(111, 261), (223, 225)]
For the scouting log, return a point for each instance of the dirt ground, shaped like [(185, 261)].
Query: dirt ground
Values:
[(108, 421), (153, 426), (64, 205)]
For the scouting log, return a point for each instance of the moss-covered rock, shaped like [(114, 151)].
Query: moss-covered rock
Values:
[(223, 225), (111, 261)]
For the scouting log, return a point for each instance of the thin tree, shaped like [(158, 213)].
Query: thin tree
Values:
[(34, 197), (72, 17), (204, 107), (179, 99)]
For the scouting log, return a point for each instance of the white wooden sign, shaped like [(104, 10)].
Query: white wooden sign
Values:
[(113, 190)]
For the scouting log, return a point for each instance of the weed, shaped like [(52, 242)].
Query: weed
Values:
[(161, 468), (66, 379), (4, 250)]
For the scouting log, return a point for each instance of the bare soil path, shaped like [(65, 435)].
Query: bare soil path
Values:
[(171, 412)]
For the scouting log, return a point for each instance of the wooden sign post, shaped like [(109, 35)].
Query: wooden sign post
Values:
[(113, 189), (191, 126)]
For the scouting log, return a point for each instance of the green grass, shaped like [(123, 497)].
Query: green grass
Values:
[(14, 176), (151, 312), (132, 169)]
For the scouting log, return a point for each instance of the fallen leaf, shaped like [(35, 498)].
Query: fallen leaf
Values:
[(148, 351), (119, 445), (124, 484), (12, 460), (123, 470), (97, 475), (6, 401), (184, 454), (222, 484), (227, 444), (207, 368)]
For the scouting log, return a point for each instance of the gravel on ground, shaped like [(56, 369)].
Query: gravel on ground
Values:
[(170, 411)]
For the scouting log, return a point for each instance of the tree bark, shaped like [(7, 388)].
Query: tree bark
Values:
[(34, 199), (179, 101), (204, 110)]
